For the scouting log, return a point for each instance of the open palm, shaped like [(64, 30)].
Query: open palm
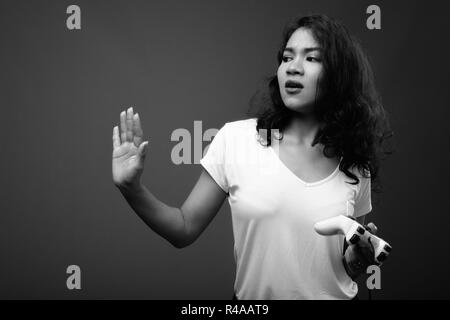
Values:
[(128, 150)]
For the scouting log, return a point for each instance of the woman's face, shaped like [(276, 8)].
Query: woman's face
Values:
[(300, 71)]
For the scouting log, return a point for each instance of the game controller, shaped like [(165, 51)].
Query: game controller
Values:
[(354, 232)]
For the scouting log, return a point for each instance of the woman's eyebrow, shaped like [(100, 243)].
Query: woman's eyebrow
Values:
[(306, 50)]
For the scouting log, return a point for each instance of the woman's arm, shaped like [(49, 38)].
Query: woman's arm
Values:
[(166, 221), (178, 226)]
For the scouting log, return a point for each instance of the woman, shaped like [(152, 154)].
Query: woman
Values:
[(317, 163)]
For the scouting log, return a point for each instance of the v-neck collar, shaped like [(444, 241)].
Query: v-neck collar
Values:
[(307, 184)]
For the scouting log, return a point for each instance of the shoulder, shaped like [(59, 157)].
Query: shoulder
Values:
[(241, 127), (364, 186), (363, 183), (249, 123), (362, 175), (240, 135)]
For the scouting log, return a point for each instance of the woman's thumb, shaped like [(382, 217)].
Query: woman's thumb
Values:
[(143, 149)]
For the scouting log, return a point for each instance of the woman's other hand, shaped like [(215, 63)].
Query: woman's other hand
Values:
[(359, 256), (128, 150)]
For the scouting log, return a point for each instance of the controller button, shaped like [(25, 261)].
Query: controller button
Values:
[(387, 248), (354, 239), (381, 257), (361, 230)]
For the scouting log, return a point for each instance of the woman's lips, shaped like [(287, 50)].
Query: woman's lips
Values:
[(293, 90)]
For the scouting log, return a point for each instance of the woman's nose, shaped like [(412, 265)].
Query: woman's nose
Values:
[(295, 67)]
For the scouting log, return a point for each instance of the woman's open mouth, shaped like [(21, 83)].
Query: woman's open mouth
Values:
[(291, 90), (293, 87)]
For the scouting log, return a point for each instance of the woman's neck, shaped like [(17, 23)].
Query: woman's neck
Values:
[(301, 130)]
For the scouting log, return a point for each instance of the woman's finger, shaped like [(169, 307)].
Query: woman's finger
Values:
[(123, 126), (130, 124), (143, 149), (138, 133), (115, 137)]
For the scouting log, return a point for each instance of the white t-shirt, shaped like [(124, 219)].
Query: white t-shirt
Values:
[(277, 251)]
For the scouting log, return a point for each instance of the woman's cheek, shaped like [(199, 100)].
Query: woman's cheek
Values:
[(279, 73)]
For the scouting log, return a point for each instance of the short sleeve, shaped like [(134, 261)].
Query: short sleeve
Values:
[(215, 159), (363, 202)]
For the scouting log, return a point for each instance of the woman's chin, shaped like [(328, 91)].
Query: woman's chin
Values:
[(301, 108)]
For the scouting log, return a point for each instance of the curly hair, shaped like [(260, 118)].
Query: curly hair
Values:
[(355, 122)]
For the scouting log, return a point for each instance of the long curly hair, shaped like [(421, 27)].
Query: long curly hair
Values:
[(355, 122)]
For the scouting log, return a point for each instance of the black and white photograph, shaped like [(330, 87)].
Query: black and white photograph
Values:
[(224, 151)]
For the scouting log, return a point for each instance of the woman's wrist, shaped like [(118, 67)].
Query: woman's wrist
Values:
[(131, 188)]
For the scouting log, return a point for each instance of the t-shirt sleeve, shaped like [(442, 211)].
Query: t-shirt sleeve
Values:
[(215, 159), (363, 203)]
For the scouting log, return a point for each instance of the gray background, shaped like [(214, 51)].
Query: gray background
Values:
[(177, 62)]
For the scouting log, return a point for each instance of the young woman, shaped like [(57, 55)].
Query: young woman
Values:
[(311, 153)]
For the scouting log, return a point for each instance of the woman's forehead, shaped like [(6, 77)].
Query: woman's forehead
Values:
[(302, 38)]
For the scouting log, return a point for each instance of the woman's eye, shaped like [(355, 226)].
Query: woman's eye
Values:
[(285, 59), (313, 59)]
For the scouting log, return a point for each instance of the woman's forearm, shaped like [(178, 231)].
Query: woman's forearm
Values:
[(166, 221)]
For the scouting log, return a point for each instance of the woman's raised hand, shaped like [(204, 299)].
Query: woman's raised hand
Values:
[(128, 150)]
